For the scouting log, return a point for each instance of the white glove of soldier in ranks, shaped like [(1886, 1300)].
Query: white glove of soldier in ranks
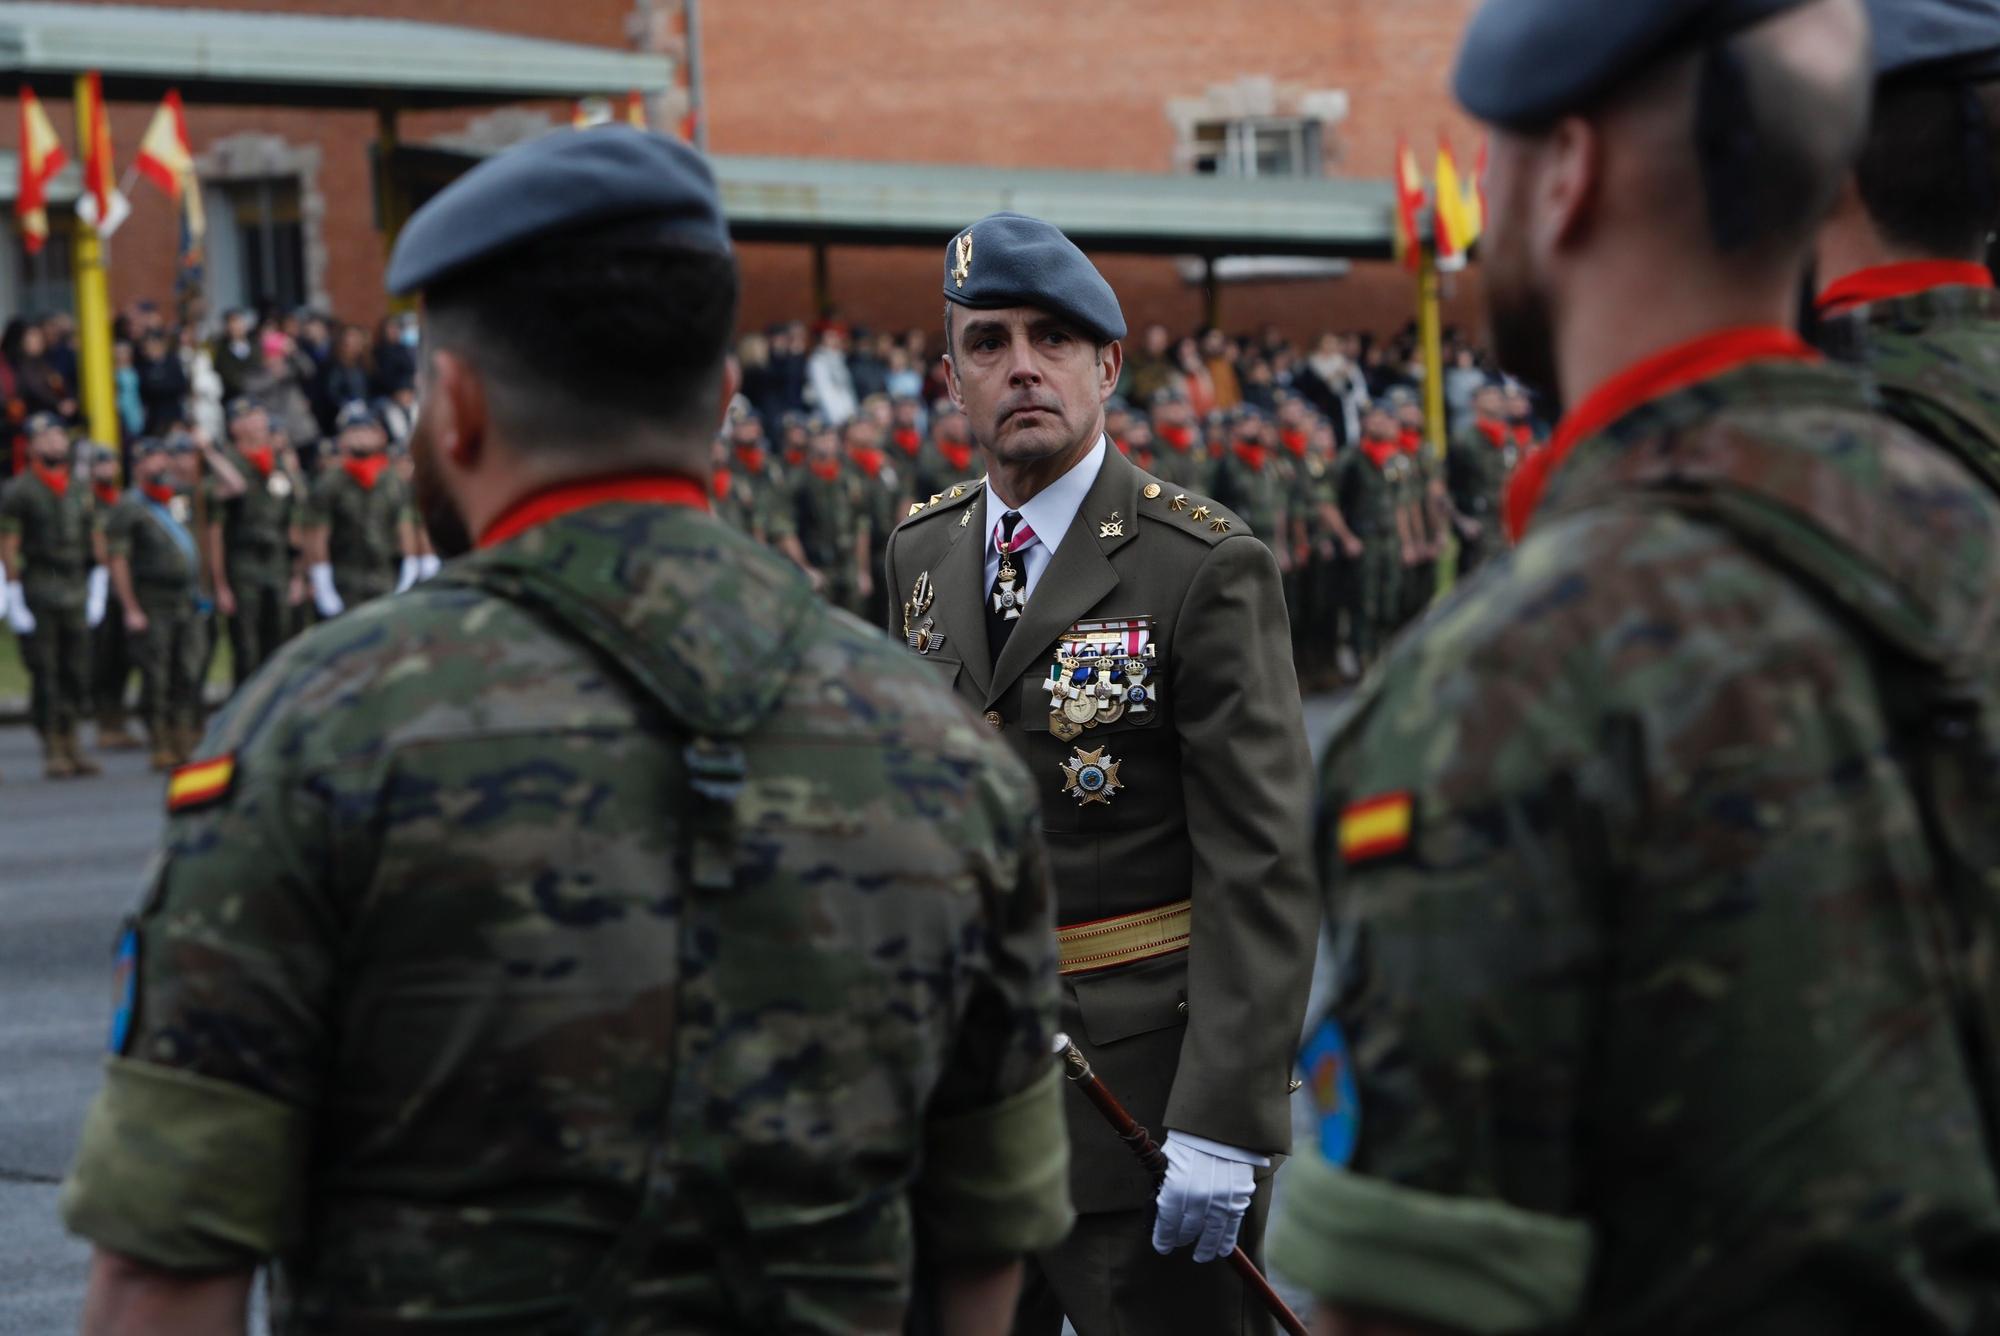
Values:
[(1207, 1189)]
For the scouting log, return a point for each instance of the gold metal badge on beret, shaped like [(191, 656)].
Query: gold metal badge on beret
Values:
[(1091, 777), (963, 269)]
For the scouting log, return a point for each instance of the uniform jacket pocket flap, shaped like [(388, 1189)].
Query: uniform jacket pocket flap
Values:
[(1134, 1000)]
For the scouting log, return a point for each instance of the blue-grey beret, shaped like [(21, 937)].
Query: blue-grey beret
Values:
[(356, 413), (1009, 259), (653, 190), (1960, 38), (1525, 63)]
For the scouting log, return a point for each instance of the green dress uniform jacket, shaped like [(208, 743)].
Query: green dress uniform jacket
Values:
[(601, 937), (1660, 857), (1203, 795), (1935, 358)]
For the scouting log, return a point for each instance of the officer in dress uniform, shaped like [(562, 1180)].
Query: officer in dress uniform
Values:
[(1129, 638)]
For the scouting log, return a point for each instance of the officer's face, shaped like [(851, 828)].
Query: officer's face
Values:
[(1031, 386), (1520, 319)]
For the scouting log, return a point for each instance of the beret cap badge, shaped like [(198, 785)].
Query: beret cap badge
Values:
[(963, 269)]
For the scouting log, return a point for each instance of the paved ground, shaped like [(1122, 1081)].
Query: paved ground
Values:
[(70, 860)]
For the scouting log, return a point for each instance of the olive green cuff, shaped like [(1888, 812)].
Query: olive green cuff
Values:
[(1467, 1264), (995, 1182), (187, 1172)]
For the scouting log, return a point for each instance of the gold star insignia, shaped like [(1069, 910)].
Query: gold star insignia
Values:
[(1152, 492), (935, 498), (1178, 503), (1198, 514), (957, 492), (916, 506), (1220, 526)]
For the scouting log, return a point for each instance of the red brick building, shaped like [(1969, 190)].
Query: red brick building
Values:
[(1263, 86)]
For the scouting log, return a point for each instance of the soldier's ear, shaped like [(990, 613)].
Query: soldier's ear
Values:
[(455, 404), (732, 381), (951, 385), (1110, 362)]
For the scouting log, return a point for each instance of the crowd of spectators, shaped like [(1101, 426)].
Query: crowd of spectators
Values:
[(303, 366)]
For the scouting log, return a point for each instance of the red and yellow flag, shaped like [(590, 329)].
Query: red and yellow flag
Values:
[(635, 110), (1454, 225), (165, 156), (1409, 206), (42, 156), (102, 205)]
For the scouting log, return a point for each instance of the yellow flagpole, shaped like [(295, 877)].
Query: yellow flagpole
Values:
[(99, 392), (1430, 327)]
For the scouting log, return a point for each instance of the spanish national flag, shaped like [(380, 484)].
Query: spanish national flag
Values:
[(1376, 828), (1409, 207), (42, 156), (102, 204), (200, 783), (1453, 224)]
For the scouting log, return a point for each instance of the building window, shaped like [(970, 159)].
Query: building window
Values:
[(270, 241), (1257, 146), (44, 282)]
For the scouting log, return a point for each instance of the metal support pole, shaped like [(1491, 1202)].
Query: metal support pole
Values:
[(98, 392), (691, 21), (1431, 328), (1211, 294), (822, 284), (392, 210)]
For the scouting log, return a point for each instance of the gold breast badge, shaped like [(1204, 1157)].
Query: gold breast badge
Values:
[(925, 638), (1090, 777), (963, 269)]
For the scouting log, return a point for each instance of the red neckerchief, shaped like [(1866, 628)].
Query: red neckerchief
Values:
[(263, 459), (958, 455), (751, 457), (1295, 441), (1676, 368), (1380, 452), (826, 470), (908, 439), (1251, 455), (1886, 282), (720, 483), (1492, 429), (1145, 457), (366, 470), (661, 489), (1524, 434), (1181, 439), (106, 492), (869, 460), (1410, 441), (56, 479), (794, 458), (159, 491)]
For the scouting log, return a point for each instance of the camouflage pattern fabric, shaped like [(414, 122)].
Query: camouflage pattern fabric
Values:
[(173, 650), (1476, 470), (828, 514), (257, 556), (363, 546), (1663, 1011), (472, 994), (1261, 496), (1371, 495), (1935, 357), (55, 564)]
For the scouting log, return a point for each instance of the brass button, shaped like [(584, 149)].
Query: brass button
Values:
[(1152, 492), (993, 718)]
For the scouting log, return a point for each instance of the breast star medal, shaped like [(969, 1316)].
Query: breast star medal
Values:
[(963, 269), (1090, 777)]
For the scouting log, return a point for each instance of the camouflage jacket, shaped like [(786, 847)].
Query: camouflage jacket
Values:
[(469, 987), (257, 525), (1477, 469), (163, 564), (1662, 1011), (1370, 495), (1935, 356), (55, 538), (1262, 496), (362, 539), (828, 514)]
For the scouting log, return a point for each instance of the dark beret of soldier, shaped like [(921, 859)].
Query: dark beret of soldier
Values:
[(243, 405), (613, 184), (1009, 259), (1955, 40), (103, 454), (148, 445), (1526, 62), (355, 413), (38, 423)]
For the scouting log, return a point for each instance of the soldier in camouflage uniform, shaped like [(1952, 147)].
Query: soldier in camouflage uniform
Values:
[(356, 521), (765, 508), (1661, 855), (1257, 483), (1371, 487), (47, 550), (110, 663), (729, 494), (603, 936), (1911, 297), (883, 490), (156, 571), (1182, 458), (251, 535), (830, 518), (1481, 459), (1334, 554), (1423, 493)]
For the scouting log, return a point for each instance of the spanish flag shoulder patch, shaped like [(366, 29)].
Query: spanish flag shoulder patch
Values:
[(201, 783), (1376, 827)]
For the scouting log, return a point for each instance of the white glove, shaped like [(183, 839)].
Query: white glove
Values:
[(18, 615), (1207, 1189), (325, 597), (428, 565), (407, 575), (95, 594)]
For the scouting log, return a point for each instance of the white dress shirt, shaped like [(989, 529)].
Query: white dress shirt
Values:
[(1049, 515)]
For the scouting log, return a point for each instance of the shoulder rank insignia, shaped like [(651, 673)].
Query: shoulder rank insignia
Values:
[(201, 783), (1376, 828)]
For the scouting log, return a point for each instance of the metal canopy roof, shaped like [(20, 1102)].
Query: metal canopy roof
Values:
[(834, 202), (303, 60)]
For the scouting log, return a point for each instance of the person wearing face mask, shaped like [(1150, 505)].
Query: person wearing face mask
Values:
[(358, 526), (156, 569), (54, 595)]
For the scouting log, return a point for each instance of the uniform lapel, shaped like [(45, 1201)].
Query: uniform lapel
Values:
[(1078, 575), (960, 579)]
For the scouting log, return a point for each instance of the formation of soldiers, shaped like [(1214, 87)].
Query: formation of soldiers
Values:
[(1365, 537), (107, 578)]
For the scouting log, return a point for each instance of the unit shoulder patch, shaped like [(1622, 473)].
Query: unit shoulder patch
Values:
[(201, 783), (1376, 827)]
